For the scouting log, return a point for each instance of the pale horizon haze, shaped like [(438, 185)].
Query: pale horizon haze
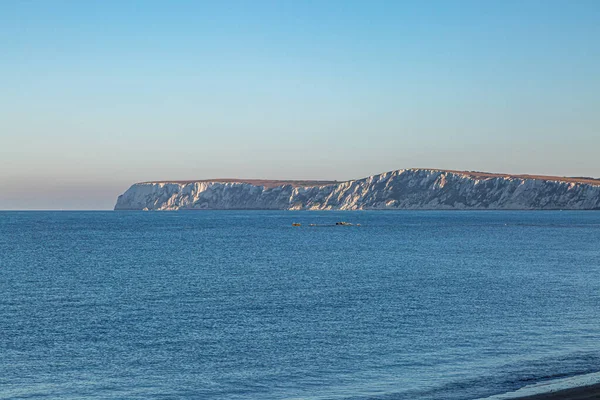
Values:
[(95, 96)]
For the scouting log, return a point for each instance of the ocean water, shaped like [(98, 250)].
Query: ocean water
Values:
[(241, 305)]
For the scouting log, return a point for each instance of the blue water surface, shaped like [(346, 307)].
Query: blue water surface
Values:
[(241, 305)]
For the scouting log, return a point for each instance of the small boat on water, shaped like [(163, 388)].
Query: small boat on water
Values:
[(342, 223)]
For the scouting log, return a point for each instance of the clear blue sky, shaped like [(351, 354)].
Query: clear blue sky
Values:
[(96, 95)]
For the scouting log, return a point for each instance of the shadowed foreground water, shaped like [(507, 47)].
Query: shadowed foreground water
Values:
[(241, 305)]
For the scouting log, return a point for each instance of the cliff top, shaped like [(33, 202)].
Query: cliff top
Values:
[(269, 183), (488, 175)]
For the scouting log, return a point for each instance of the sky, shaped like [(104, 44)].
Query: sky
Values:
[(98, 95)]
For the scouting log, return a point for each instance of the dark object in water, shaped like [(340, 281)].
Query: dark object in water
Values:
[(336, 224), (295, 224)]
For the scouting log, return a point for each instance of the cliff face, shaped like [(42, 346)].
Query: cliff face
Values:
[(402, 189)]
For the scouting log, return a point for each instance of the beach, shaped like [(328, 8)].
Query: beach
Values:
[(579, 393)]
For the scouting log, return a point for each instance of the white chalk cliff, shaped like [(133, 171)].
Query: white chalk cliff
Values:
[(401, 189)]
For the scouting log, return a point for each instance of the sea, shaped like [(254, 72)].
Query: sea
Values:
[(450, 305)]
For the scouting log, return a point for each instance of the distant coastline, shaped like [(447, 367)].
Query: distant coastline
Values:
[(401, 189)]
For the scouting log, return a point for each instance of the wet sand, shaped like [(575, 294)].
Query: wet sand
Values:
[(591, 392)]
